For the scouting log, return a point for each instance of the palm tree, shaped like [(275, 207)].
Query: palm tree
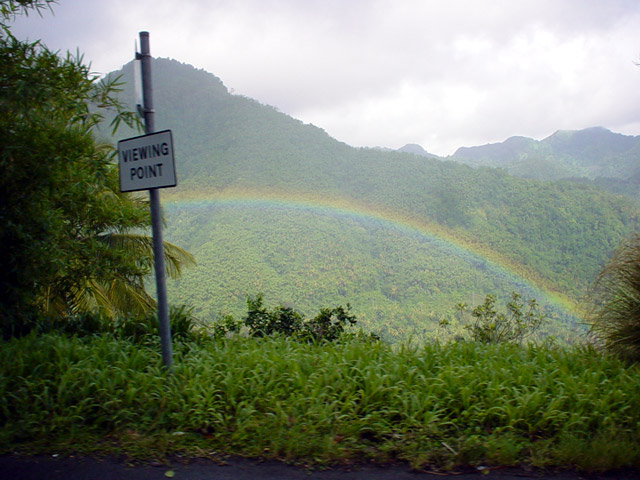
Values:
[(118, 292), (107, 259)]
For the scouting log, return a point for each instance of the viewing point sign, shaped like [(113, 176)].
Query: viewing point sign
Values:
[(146, 162)]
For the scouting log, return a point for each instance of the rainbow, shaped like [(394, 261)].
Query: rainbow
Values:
[(455, 240)]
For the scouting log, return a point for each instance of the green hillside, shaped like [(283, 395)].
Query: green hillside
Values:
[(554, 235), (399, 280)]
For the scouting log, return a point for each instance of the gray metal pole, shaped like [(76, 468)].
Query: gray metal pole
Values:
[(156, 214)]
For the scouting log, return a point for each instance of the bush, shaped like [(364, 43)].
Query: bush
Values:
[(615, 315), (329, 325), (261, 322), (486, 325), (135, 328)]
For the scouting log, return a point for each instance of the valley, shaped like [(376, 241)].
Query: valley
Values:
[(270, 205)]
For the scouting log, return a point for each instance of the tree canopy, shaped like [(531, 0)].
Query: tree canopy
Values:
[(70, 239)]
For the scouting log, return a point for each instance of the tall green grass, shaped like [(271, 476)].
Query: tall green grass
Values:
[(434, 405)]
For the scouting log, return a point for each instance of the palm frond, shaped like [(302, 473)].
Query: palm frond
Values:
[(141, 246), (91, 296), (130, 298), (615, 317), (116, 292)]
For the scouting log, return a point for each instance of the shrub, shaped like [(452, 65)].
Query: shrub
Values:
[(261, 322), (135, 328), (329, 325), (615, 315), (486, 325)]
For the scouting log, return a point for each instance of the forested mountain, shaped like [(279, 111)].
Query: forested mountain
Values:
[(593, 155), (252, 181)]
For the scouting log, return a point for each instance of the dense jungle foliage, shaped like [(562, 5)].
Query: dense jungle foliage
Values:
[(399, 282)]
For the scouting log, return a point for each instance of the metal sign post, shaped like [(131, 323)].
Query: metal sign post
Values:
[(154, 198)]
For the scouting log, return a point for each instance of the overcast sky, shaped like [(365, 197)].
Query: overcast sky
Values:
[(443, 74)]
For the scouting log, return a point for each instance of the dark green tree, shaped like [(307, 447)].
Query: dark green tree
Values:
[(262, 322), (330, 325), (70, 240)]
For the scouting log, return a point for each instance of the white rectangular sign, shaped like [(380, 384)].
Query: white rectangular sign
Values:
[(147, 162)]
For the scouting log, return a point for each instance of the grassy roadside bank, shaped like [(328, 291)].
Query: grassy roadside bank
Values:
[(439, 405)]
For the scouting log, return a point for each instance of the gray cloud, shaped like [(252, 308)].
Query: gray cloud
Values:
[(388, 72)]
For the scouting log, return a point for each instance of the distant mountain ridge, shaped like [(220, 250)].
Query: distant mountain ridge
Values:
[(593, 155), (590, 154), (416, 149)]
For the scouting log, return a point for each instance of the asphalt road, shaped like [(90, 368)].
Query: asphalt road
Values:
[(86, 468)]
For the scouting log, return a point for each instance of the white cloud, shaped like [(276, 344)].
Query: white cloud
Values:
[(389, 72)]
